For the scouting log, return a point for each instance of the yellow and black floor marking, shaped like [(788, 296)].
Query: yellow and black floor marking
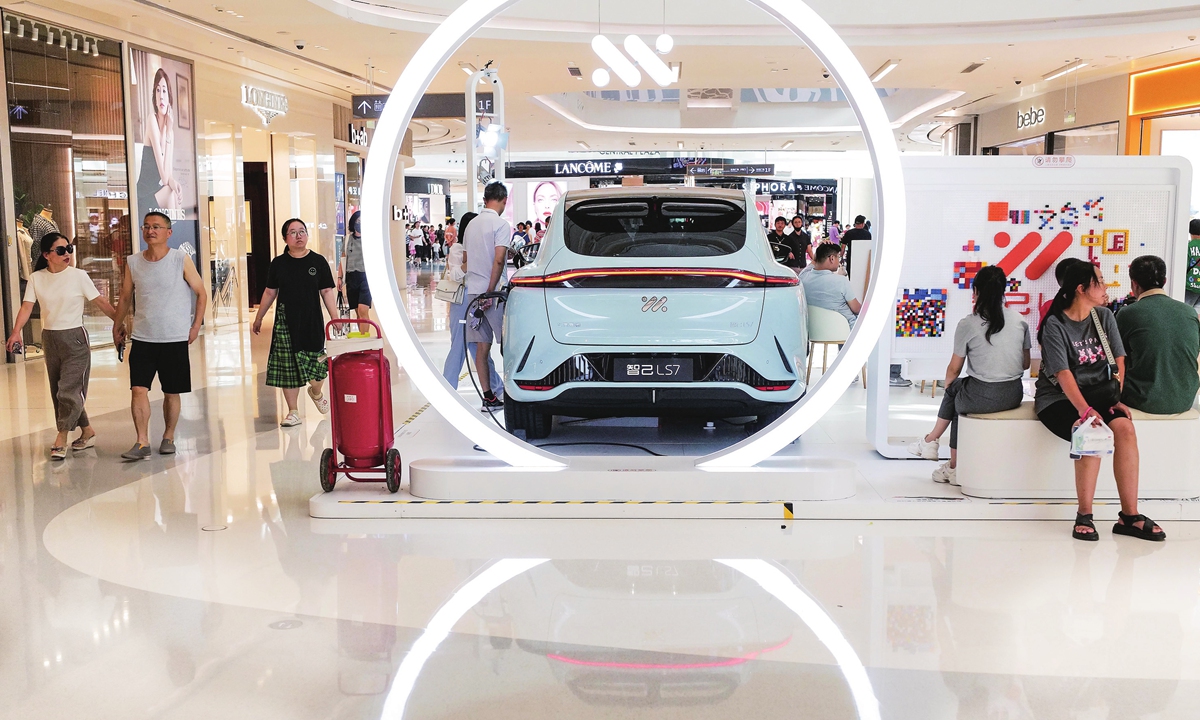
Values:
[(787, 506), (417, 414)]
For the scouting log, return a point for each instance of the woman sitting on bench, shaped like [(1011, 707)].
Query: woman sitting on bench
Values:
[(1083, 369), (994, 343)]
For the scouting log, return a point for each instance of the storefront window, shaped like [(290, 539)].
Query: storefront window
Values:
[(67, 132), (1177, 135), (1030, 146), (1091, 140)]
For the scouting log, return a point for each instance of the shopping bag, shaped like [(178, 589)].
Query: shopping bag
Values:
[(1092, 439)]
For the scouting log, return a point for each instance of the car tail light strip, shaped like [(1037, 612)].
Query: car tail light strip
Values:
[(564, 279)]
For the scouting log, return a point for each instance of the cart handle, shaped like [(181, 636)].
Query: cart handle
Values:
[(347, 321)]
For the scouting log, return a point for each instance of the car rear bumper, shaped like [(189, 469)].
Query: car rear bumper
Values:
[(706, 400)]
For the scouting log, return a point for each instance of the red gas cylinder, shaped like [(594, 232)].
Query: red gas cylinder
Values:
[(362, 407)]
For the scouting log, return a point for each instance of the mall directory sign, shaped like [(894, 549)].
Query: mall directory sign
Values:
[(164, 131), (432, 105)]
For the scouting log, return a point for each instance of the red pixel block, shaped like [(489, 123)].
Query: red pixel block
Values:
[(997, 211)]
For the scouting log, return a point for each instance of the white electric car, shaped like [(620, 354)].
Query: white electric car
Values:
[(653, 301)]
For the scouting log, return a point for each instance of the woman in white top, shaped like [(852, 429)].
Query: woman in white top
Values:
[(456, 270), (995, 342), (62, 291)]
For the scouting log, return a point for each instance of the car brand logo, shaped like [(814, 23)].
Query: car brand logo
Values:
[(654, 304)]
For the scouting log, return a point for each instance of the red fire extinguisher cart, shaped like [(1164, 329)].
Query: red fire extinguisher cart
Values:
[(360, 395)]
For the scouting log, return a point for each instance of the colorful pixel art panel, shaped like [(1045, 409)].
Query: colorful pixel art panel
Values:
[(921, 313), (965, 272)]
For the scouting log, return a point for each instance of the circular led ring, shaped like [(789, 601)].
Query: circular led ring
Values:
[(377, 191)]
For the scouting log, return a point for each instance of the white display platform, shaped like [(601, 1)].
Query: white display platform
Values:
[(615, 477), (346, 508)]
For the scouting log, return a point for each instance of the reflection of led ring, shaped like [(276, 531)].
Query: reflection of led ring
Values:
[(885, 278), (769, 577)]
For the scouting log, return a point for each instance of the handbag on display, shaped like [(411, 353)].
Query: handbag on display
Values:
[(450, 290)]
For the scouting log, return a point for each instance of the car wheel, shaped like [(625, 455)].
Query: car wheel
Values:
[(526, 416)]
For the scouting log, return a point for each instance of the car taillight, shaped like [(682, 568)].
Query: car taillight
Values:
[(570, 278), (772, 388), (524, 386)]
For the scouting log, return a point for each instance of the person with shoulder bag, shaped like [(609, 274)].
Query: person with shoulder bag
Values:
[(452, 288), (1083, 369)]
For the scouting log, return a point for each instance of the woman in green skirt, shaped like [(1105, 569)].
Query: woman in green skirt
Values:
[(301, 281)]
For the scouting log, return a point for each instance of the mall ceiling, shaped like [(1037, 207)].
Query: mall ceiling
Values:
[(720, 43)]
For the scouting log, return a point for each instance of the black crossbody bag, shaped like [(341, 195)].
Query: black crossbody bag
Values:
[(1108, 393)]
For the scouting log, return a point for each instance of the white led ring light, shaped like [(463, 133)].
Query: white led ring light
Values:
[(377, 189)]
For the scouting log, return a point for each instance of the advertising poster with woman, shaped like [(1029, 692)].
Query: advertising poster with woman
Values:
[(165, 144), (543, 200)]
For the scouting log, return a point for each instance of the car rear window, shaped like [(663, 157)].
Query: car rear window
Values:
[(655, 227)]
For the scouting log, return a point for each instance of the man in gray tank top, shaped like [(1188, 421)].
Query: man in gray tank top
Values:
[(168, 300)]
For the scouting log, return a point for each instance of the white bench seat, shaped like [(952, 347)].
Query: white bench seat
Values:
[(1012, 455)]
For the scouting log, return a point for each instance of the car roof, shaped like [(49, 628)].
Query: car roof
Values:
[(655, 191)]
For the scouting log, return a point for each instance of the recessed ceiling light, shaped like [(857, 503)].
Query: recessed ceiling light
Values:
[(1071, 66), (283, 32), (467, 67), (583, 145), (787, 145), (884, 69)]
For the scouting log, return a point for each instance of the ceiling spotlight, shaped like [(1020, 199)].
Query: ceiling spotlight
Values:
[(600, 77), (787, 145), (35, 33), (20, 29), (7, 27), (95, 48), (664, 43), (85, 46), (1069, 67), (49, 37), (583, 145), (883, 70), (63, 42), (74, 42), (679, 144), (613, 57)]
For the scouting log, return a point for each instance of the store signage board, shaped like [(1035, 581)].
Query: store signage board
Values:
[(1030, 118), (357, 135), (432, 105), (735, 170), (604, 167), (267, 104), (802, 187), (1054, 161)]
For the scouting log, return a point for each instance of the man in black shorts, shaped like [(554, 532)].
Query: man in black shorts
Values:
[(168, 307)]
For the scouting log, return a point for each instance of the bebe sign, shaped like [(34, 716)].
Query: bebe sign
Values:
[(1031, 117)]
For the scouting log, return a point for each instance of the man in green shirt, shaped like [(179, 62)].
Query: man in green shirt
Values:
[(1162, 342), (1192, 295)]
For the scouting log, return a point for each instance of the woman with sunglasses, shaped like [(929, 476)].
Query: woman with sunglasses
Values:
[(62, 291)]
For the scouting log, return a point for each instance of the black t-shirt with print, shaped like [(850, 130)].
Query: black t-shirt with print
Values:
[(300, 282)]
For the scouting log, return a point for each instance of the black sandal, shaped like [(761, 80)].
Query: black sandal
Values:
[(1082, 520), (1125, 526)]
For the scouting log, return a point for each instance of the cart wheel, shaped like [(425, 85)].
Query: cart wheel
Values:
[(392, 469), (328, 476)]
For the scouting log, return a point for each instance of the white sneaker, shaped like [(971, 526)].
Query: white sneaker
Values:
[(292, 420), (946, 474), (922, 449)]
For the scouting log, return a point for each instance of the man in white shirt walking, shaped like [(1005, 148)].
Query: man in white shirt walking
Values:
[(486, 241), (162, 284)]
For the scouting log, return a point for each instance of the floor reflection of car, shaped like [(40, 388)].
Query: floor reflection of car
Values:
[(647, 632), (653, 302)]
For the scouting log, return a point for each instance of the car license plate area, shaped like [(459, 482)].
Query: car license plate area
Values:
[(652, 369)]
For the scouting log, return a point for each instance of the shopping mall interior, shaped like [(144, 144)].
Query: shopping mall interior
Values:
[(663, 359)]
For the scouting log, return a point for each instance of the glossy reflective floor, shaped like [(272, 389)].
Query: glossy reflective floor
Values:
[(196, 586)]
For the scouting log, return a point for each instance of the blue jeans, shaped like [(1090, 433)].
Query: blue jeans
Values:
[(454, 361)]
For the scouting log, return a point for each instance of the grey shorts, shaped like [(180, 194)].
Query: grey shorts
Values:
[(489, 326)]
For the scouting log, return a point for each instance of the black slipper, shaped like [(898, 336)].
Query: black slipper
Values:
[(1125, 526), (1082, 520)]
